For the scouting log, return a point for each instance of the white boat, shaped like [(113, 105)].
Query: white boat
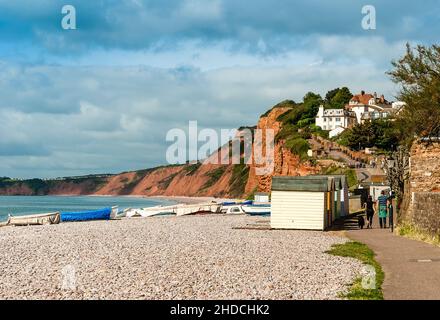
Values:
[(210, 207), (257, 210), (34, 219), (178, 209), (232, 209)]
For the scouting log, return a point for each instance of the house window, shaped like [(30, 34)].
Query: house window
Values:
[(325, 119), (338, 119)]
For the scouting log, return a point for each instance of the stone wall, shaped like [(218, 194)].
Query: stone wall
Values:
[(426, 211), (425, 167), (421, 203)]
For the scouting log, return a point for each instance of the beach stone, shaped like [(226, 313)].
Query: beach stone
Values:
[(189, 257)]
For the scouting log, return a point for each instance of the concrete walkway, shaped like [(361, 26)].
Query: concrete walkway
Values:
[(412, 268)]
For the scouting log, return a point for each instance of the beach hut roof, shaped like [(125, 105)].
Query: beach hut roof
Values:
[(308, 183), (339, 179)]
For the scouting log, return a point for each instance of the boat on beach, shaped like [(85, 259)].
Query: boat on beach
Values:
[(178, 209), (257, 209), (232, 209), (100, 214), (34, 219)]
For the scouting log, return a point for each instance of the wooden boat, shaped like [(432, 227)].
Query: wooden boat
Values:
[(257, 210), (34, 219), (100, 214)]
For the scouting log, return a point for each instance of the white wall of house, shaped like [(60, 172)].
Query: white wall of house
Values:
[(359, 110), (331, 119)]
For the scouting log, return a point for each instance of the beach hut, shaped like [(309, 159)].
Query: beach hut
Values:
[(261, 197), (341, 205), (303, 202), (341, 195)]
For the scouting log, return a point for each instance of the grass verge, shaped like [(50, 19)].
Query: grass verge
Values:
[(363, 253), (410, 231)]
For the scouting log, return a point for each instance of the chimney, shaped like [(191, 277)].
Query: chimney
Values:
[(362, 92)]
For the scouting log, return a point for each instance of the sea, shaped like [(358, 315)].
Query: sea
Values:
[(22, 205)]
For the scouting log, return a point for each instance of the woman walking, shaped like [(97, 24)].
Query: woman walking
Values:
[(369, 210), (381, 204)]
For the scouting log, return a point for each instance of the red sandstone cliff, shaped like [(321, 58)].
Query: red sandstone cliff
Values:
[(285, 163)]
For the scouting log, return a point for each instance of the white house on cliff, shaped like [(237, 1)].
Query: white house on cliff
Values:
[(361, 107), (335, 120)]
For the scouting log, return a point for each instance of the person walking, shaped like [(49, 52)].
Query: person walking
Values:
[(381, 208), (369, 210), (391, 212)]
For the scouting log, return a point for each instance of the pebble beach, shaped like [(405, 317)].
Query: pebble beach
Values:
[(189, 257)]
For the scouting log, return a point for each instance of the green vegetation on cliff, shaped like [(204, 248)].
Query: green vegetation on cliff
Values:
[(238, 180)]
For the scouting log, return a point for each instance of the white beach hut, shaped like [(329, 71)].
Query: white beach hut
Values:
[(261, 197), (303, 203)]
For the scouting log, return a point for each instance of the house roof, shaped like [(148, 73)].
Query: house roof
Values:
[(362, 98), (308, 183)]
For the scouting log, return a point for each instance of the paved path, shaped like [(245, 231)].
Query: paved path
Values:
[(412, 268)]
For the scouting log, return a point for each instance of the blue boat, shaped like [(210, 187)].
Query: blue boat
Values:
[(101, 214), (230, 203)]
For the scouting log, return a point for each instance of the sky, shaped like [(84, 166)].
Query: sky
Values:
[(100, 98)]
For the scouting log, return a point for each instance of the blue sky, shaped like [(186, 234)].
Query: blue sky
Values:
[(102, 97)]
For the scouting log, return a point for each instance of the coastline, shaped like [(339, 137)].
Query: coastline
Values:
[(178, 199)]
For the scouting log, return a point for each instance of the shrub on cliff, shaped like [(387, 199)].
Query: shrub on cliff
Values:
[(298, 146), (282, 104)]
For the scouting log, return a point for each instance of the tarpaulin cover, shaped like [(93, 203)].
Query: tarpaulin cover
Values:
[(101, 214)]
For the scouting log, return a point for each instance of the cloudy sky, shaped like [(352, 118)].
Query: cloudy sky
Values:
[(101, 98)]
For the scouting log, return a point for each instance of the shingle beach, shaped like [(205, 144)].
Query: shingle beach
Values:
[(190, 257)]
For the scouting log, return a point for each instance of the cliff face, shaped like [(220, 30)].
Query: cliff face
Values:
[(285, 162), (181, 180)]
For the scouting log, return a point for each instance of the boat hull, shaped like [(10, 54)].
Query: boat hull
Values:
[(34, 219), (257, 210), (179, 210), (102, 214)]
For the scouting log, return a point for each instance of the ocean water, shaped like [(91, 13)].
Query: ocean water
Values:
[(21, 205)]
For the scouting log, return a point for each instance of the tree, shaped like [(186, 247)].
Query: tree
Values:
[(397, 169), (383, 134), (418, 74), (337, 98)]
